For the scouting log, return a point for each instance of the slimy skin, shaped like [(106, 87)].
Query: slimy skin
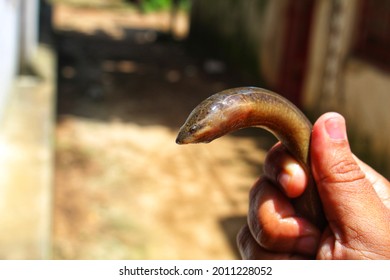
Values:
[(238, 108)]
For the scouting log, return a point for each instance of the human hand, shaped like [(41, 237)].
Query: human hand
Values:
[(356, 201)]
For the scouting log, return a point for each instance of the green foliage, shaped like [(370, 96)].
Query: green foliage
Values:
[(155, 5), (158, 5)]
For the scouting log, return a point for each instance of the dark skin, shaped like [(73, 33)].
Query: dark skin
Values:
[(355, 197)]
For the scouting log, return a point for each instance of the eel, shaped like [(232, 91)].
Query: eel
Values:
[(242, 107)]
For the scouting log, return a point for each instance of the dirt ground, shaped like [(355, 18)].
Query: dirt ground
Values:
[(123, 188)]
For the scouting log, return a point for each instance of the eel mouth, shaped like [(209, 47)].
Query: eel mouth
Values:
[(201, 136), (180, 139), (185, 137)]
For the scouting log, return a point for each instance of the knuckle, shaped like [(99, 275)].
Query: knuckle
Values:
[(343, 171), (267, 235)]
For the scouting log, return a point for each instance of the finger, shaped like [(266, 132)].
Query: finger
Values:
[(350, 201), (251, 250), (282, 169), (274, 224)]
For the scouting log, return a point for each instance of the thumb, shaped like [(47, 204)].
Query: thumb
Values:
[(349, 200)]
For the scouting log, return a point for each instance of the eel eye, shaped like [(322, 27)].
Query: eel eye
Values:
[(193, 128)]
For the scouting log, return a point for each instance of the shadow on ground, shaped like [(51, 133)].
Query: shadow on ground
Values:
[(146, 78)]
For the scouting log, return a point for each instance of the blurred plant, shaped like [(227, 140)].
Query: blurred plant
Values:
[(158, 5), (155, 5)]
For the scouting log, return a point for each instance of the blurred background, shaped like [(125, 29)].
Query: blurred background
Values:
[(93, 92)]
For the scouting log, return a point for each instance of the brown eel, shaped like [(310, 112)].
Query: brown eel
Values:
[(243, 107)]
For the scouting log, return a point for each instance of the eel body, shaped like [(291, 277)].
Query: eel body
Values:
[(238, 108)]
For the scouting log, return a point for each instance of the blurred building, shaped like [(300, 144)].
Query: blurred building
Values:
[(322, 54)]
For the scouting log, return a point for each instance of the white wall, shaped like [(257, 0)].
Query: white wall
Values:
[(28, 30), (18, 41), (9, 50)]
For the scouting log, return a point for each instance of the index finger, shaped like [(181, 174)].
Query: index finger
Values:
[(285, 171)]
